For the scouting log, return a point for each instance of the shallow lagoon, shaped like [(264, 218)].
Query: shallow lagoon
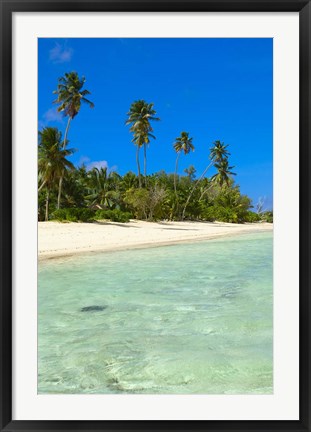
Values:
[(181, 319)]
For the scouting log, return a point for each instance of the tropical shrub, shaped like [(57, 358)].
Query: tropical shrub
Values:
[(113, 215), (267, 216), (73, 215), (150, 204), (252, 217), (137, 201), (89, 215)]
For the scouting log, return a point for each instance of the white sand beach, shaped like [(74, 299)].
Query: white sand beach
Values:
[(57, 239)]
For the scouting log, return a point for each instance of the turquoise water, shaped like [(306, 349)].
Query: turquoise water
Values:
[(181, 319)]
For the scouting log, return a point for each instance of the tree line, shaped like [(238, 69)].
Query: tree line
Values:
[(74, 193)]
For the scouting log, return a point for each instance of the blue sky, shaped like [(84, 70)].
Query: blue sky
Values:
[(215, 89)]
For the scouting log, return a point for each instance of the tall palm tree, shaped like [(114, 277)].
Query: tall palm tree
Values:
[(52, 162), (70, 96), (218, 153), (182, 144), (140, 115)]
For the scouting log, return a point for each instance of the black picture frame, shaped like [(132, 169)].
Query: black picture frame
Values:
[(7, 9)]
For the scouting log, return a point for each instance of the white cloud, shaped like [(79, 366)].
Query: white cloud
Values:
[(97, 164), (51, 115), (61, 53), (84, 160)]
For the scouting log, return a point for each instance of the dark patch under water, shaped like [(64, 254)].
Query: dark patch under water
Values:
[(93, 308)]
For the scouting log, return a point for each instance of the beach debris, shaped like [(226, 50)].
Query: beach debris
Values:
[(93, 308)]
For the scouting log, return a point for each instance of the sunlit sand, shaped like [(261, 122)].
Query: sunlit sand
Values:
[(62, 239)]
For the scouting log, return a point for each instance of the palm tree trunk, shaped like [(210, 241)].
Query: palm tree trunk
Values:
[(193, 189), (175, 176), (60, 190), (66, 132), (138, 166), (62, 176), (41, 186), (205, 191), (47, 205), (145, 161)]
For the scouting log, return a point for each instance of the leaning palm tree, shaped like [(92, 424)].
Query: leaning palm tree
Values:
[(223, 173), (182, 144), (52, 162), (218, 153), (70, 97), (139, 117)]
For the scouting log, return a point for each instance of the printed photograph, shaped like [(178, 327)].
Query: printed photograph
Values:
[(155, 216)]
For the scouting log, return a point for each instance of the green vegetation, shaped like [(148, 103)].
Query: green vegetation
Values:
[(68, 193), (89, 215), (52, 162)]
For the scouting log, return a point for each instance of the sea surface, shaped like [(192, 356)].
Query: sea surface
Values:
[(194, 318)]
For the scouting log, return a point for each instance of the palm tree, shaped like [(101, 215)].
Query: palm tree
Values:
[(70, 96), (139, 117), (102, 187), (182, 144), (52, 162), (129, 181), (218, 153), (223, 172), (74, 185)]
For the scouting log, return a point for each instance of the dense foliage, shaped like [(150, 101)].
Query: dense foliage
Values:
[(99, 194), (68, 193)]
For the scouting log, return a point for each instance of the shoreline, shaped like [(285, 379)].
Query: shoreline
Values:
[(64, 240)]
